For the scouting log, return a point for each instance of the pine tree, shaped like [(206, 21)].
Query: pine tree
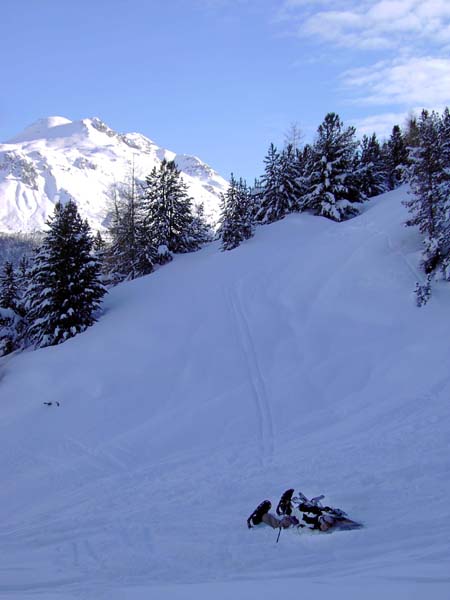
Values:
[(411, 134), (445, 140), (8, 331), (100, 251), (444, 191), (9, 294), (236, 221), (278, 184), (130, 253), (98, 245), (332, 183), (430, 192), (290, 177), (167, 209), (64, 291), (23, 271), (10, 314), (395, 154), (256, 194), (305, 161), (201, 231), (372, 175)]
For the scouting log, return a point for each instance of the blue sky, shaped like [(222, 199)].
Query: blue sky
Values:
[(222, 78)]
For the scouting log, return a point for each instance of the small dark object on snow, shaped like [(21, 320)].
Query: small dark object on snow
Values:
[(256, 517), (284, 505)]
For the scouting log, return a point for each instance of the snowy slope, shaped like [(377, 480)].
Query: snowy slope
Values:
[(56, 158), (298, 359)]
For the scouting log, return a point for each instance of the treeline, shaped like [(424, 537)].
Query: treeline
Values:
[(334, 175), (57, 293), (330, 177), (13, 246)]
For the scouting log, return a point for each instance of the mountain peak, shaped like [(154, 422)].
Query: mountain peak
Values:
[(43, 128), (56, 157)]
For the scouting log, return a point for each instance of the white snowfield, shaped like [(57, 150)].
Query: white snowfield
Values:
[(296, 360), (56, 159)]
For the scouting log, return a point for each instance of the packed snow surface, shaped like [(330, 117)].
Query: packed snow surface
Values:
[(297, 360), (56, 159)]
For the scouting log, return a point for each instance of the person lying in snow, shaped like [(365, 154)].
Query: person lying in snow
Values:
[(262, 515), (313, 514)]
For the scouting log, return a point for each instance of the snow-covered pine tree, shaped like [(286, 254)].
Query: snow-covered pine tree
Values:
[(168, 211), (290, 162), (99, 251), (256, 194), (395, 156), (445, 189), (332, 182), (157, 212), (23, 271), (130, 253), (278, 183), (9, 293), (98, 244), (305, 161), (22, 274), (245, 210), (64, 291), (8, 331), (411, 132), (430, 192), (372, 175), (236, 221), (445, 139), (201, 231), (11, 316)]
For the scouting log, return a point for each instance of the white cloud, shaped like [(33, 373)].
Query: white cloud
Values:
[(371, 23), (411, 81), (381, 124), (413, 34)]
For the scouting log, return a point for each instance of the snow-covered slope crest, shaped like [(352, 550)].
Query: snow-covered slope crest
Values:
[(56, 158)]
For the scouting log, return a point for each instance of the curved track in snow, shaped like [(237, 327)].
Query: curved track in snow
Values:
[(256, 378)]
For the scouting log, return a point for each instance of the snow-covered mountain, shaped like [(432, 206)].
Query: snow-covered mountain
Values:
[(297, 360), (56, 158)]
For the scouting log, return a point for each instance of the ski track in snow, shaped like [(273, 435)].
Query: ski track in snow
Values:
[(261, 401)]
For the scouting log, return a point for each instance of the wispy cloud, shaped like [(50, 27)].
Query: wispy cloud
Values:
[(409, 41), (371, 24), (408, 81), (381, 124), (404, 46)]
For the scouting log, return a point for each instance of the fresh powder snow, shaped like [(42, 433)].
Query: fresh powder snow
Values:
[(297, 360)]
